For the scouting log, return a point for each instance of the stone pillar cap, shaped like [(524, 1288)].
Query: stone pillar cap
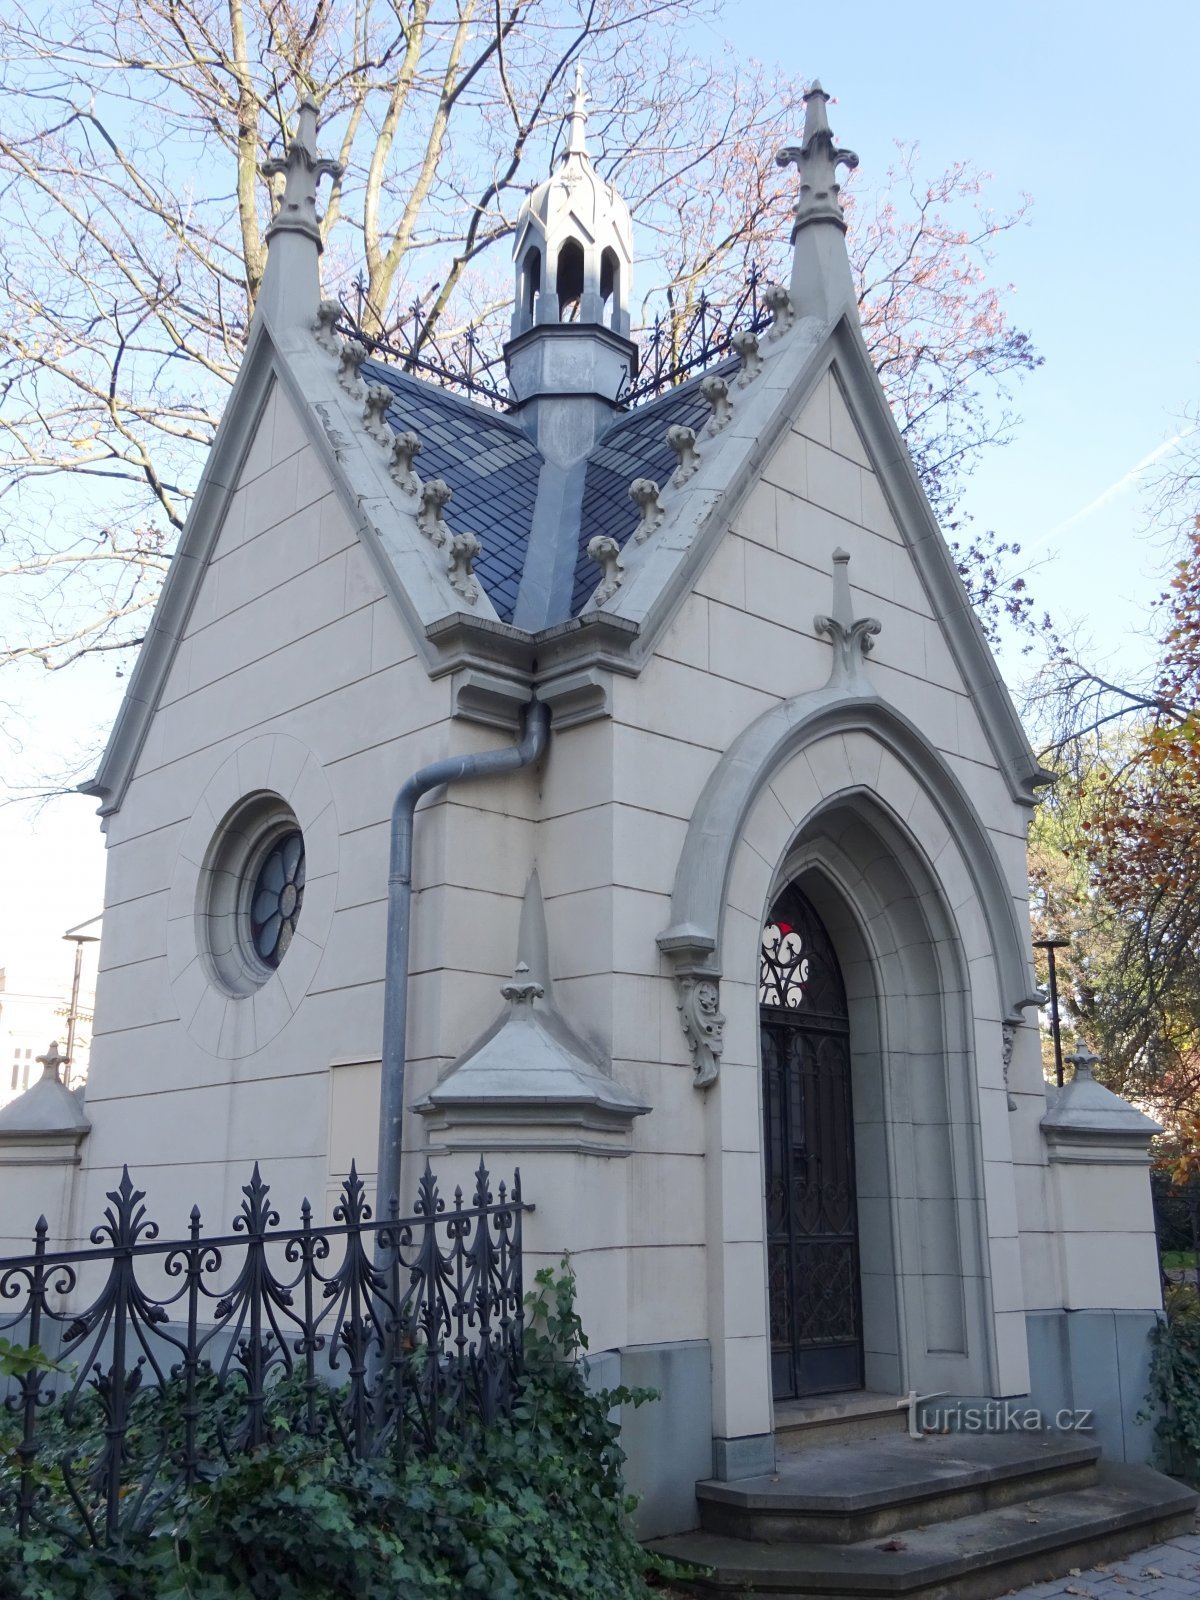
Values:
[(1085, 1109), (47, 1108)]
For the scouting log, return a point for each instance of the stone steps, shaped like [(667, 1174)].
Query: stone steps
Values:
[(842, 1493), (949, 1519)]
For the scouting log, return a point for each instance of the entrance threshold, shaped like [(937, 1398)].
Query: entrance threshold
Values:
[(827, 1418)]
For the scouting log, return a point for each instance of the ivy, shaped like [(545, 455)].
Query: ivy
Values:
[(532, 1506), (1175, 1384)]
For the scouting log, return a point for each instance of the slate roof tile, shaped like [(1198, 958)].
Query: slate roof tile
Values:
[(634, 447), (492, 468)]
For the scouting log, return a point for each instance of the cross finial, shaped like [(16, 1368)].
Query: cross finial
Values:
[(302, 170), (52, 1061), (577, 118), (817, 159), (1083, 1061)]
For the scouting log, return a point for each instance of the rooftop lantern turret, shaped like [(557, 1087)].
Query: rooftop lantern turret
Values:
[(574, 242), (570, 324)]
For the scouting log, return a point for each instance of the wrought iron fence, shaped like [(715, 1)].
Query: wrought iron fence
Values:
[(673, 349), (378, 1337), (672, 353), (459, 363), (1177, 1220)]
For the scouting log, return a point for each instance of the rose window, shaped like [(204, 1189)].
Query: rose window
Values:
[(277, 898)]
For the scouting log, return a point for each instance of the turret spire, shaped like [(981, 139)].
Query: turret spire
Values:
[(577, 119), (291, 286), (822, 284)]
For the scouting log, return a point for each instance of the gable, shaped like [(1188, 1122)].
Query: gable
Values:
[(814, 427), (292, 434)]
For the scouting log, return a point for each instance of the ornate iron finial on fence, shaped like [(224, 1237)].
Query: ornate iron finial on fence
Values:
[(195, 1349)]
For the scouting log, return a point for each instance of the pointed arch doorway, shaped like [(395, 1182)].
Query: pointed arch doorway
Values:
[(808, 1127)]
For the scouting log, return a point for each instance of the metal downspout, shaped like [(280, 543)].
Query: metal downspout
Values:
[(454, 769)]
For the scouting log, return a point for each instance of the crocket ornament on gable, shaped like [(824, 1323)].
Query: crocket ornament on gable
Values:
[(817, 160)]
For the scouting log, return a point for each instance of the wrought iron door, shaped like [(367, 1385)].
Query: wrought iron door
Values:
[(812, 1209)]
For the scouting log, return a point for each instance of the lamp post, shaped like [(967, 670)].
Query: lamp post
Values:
[(1050, 944), (79, 938)]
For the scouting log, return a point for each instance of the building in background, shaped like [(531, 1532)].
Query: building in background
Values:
[(39, 1004)]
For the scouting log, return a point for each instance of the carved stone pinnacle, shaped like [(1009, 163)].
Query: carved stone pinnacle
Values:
[(524, 988), (52, 1061), (818, 160), (852, 637), (302, 170)]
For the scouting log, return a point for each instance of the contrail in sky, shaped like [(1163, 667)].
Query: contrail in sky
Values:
[(1123, 481)]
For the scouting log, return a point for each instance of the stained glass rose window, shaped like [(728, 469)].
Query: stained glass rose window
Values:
[(277, 897)]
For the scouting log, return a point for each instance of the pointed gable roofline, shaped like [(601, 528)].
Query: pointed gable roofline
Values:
[(452, 621), (662, 572), (415, 570)]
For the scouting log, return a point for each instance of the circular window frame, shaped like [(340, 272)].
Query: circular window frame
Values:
[(234, 1026), (239, 849)]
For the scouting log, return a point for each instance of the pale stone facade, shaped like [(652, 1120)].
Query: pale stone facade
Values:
[(718, 731)]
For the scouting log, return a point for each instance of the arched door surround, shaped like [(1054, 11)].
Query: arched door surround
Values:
[(847, 800)]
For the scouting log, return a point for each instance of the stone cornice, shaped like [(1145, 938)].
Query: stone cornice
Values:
[(496, 667)]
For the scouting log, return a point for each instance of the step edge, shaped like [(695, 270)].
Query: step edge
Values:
[(732, 1492), (942, 1569)]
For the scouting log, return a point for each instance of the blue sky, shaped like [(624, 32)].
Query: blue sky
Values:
[(1091, 111), (1088, 109)]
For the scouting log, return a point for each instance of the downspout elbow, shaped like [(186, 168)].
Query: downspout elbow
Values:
[(531, 746)]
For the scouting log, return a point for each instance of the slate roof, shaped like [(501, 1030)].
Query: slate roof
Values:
[(491, 465), (634, 447)]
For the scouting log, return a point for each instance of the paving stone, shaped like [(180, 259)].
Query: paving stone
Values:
[(1177, 1561)]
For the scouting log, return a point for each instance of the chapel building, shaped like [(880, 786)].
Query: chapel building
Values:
[(728, 948)]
